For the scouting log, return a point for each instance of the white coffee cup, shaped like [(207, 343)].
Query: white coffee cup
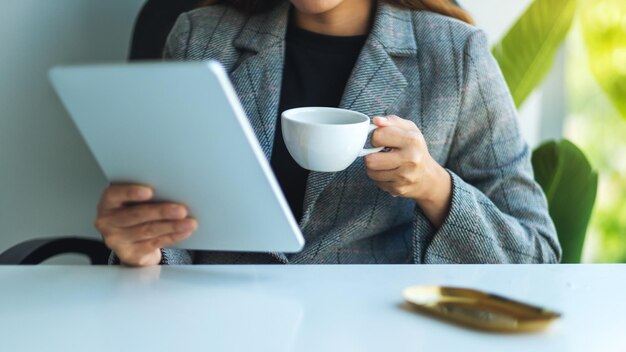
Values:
[(326, 139)]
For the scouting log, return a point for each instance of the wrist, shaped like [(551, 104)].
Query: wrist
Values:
[(437, 186), (152, 259), (436, 198)]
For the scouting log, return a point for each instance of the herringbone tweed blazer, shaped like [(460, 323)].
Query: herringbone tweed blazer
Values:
[(431, 69)]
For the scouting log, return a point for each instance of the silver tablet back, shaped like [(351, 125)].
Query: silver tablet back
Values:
[(179, 127)]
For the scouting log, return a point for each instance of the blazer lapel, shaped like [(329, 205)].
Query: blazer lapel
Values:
[(375, 83), (257, 79)]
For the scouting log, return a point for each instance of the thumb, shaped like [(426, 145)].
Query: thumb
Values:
[(381, 121)]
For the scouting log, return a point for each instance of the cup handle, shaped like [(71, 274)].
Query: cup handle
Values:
[(368, 151)]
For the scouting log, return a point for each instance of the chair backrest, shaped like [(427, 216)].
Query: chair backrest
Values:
[(155, 20)]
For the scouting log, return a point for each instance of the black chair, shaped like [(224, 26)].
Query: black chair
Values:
[(155, 20), (39, 250)]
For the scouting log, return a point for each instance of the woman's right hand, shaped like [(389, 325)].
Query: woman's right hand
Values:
[(136, 229)]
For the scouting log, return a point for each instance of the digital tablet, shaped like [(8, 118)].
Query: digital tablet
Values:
[(180, 128)]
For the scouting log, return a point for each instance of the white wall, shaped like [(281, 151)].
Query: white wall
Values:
[(495, 16), (49, 183)]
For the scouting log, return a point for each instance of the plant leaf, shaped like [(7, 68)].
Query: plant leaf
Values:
[(527, 51), (604, 29), (570, 185)]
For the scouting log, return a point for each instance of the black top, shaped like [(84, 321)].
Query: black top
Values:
[(316, 70)]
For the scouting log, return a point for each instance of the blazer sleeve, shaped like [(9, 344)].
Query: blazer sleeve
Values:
[(498, 213)]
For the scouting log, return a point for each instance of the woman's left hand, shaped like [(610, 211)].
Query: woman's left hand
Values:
[(408, 170)]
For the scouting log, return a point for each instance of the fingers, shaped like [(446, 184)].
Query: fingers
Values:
[(148, 253), (396, 132), (144, 213), (384, 161), (151, 230), (395, 121), (168, 240), (396, 137), (141, 246), (116, 195), (402, 171), (136, 232), (401, 176), (388, 137)]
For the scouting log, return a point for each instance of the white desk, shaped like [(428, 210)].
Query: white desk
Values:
[(294, 308)]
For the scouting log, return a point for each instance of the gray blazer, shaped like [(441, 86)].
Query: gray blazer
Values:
[(431, 69)]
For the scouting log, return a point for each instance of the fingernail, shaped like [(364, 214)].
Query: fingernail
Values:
[(143, 193), (177, 212), (383, 118), (183, 235), (189, 225)]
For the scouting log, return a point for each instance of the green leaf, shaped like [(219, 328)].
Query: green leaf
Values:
[(570, 185), (604, 29), (527, 51)]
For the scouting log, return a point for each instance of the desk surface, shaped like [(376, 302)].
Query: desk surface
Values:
[(295, 308)]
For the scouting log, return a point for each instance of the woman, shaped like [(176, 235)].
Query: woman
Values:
[(457, 186)]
